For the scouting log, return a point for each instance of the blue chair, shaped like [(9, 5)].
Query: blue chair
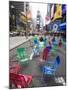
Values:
[(36, 42), (49, 48), (52, 67), (36, 50)]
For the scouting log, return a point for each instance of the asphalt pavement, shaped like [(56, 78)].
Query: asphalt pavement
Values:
[(33, 68)]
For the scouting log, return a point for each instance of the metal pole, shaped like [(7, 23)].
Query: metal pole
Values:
[(26, 23)]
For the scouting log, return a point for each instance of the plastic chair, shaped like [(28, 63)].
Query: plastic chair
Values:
[(36, 50), (22, 56), (36, 44), (51, 68), (15, 68), (19, 80), (35, 40), (45, 53)]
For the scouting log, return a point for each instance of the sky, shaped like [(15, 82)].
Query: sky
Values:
[(38, 6)]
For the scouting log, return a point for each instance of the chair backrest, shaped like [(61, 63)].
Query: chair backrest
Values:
[(45, 53), (17, 79), (21, 52), (35, 41), (56, 63), (15, 68), (20, 49), (58, 60)]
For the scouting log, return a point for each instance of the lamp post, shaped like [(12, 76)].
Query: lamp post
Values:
[(26, 21), (13, 17)]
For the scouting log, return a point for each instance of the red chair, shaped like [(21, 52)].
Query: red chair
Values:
[(15, 68), (60, 44), (19, 80), (45, 53)]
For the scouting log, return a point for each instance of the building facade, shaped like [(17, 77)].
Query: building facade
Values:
[(19, 15)]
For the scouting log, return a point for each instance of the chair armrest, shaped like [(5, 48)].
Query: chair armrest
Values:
[(24, 60)]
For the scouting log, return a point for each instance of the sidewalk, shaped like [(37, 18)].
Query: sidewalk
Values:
[(16, 41)]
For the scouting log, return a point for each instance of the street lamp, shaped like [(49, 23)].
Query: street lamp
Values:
[(27, 6), (13, 17)]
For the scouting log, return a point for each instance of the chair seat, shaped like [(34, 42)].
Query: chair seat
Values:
[(48, 70), (28, 78)]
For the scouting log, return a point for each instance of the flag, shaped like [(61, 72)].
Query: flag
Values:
[(52, 11), (29, 14), (58, 13)]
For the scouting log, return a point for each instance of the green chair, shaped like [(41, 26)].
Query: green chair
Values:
[(55, 47), (54, 50), (22, 56)]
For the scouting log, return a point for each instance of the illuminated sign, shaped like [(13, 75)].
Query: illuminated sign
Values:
[(58, 13)]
